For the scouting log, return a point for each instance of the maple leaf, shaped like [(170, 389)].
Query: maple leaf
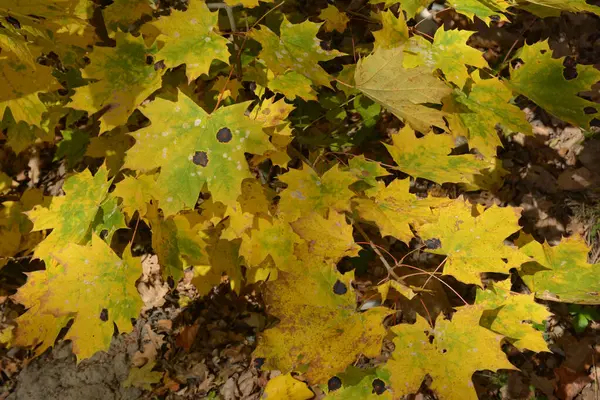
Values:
[(292, 85), (484, 9), (474, 244), (223, 261), (334, 19), (541, 77), (487, 105), (402, 91), (286, 387), (21, 135), (448, 52), (329, 239), (20, 87), (308, 192), (15, 43), (109, 219), (193, 147), (359, 383), (275, 239), (68, 15), (253, 203), (394, 32), (428, 157), (123, 13), (553, 8), (459, 348), (317, 328), (297, 49), (143, 377), (136, 193), (366, 170), (111, 146), (70, 216), (560, 273), (413, 7), (176, 243), (394, 209), (189, 37), (101, 292), (511, 315), (124, 80)]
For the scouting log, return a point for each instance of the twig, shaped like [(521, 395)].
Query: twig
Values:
[(376, 250)]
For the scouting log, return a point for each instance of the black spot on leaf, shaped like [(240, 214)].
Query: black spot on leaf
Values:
[(15, 23), (103, 234), (334, 383), (378, 386), (224, 135), (149, 60), (433, 244), (200, 158), (339, 287), (104, 315)]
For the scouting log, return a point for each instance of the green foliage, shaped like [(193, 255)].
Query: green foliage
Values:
[(248, 165)]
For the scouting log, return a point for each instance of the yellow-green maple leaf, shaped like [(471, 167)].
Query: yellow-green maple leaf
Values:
[(124, 80), (334, 19), (190, 37), (308, 192), (357, 383), (553, 8), (329, 239), (428, 157), (512, 315), (317, 328), (69, 15), (297, 49), (20, 86), (93, 286), (123, 13), (413, 7), (484, 9), (560, 273), (143, 377), (223, 260), (487, 104), (194, 148), (474, 244), (459, 348), (71, 216), (275, 239), (293, 84), (394, 209), (394, 32), (448, 52), (541, 77), (177, 244), (136, 193), (403, 91), (366, 170)]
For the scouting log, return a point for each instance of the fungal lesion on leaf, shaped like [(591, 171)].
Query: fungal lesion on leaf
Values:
[(224, 135), (200, 158)]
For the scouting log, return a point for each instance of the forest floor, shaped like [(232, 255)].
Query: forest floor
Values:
[(204, 345)]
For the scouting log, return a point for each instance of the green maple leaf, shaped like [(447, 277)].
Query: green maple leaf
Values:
[(93, 286), (540, 78), (297, 49), (193, 147), (71, 216), (560, 273), (124, 80), (487, 104), (448, 52), (484, 9), (293, 84), (553, 8), (512, 315), (109, 219), (20, 87), (357, 383), (474, 244), (190, 37), (428, 157), (403, 91), (458, 349)]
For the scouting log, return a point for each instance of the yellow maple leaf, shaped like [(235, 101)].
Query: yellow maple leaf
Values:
[(101, 292), (286, 387), (136, 193), (334, 19)]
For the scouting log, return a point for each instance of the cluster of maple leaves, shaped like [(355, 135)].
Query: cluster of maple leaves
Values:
[(161, 146)]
